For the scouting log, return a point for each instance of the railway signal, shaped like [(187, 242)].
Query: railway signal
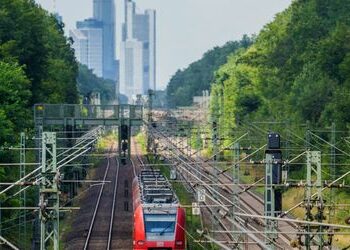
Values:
[(273, 201), (195, 209), (201, 195)]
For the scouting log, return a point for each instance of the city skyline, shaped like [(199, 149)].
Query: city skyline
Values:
[(95, 41), (178, 43), (88, 44), (138, 52), (105, 12)]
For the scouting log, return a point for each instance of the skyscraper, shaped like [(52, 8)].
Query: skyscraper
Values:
[(104, 11), (80, 46), (152, 48), (88, 44), (138, 51)]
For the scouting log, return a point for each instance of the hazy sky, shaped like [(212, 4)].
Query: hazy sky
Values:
[(186, 28)]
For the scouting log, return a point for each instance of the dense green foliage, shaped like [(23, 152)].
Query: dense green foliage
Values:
[(160, 99), (298, 69), (34, 39), (88, 82), (197, 76), (15, 95), (37, 65)]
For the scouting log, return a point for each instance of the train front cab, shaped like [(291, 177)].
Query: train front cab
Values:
[(159, 231)]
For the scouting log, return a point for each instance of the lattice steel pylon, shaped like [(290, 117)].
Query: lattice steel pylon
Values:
[(22, 173), (272, 196), (235, 179), (271, 225), (49, 193), (215, 142), (332, 197), (149, 119), (314, 180)]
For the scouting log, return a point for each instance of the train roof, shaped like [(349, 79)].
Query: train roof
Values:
[(155, 189)]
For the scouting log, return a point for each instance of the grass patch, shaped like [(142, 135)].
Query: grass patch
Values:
[(106, 141), (249, 175), (65, 227), (142, 140), (295, 195)]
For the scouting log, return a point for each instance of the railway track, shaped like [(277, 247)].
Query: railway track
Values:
[(105, 217), (136, 158), (250, 202), (99, 235)]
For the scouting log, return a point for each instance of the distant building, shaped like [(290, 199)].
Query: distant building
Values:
[(138, 52), (104, 11), (152, 48), (99, 33), (80, 46), (131, 65), (88, 44)]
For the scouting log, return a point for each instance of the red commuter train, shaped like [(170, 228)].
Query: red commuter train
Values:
[(159, 221)]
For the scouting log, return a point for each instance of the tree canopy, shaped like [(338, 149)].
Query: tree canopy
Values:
[(198, 76), (35, 40), (88, 82), (297, 69), (37, 65)]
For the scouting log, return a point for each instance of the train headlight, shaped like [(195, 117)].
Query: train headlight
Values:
[(179, 243), (140, 242)]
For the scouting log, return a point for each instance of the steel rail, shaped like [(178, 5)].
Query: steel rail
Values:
[(35, 171), (259, 242), (113, 207), (92, 222), (133, 167), (284, 237), (207, 187), (8, 243)]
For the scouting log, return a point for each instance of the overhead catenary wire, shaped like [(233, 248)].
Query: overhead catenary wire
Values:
[(259, 242), (58, 164)]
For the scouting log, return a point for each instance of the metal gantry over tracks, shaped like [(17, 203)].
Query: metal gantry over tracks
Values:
[(72, 116), (70, 120)]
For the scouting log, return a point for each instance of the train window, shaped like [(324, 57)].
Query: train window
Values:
[(162, 224)]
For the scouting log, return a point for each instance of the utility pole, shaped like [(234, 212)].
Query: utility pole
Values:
[(332, 172), (314, 180), (49, 193), (215, 139), (235, 178), (149, 119), (22, 173), (273, 172), (285, 169), (38, 143), (124, 139)]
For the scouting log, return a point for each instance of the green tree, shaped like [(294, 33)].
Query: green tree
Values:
[(15, 94), (31, 37), (199, 75), (88, 82)]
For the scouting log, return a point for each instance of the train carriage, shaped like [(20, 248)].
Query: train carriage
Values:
[(159, 221)]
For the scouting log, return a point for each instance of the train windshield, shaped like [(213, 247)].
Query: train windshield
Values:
[(160, 224)]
